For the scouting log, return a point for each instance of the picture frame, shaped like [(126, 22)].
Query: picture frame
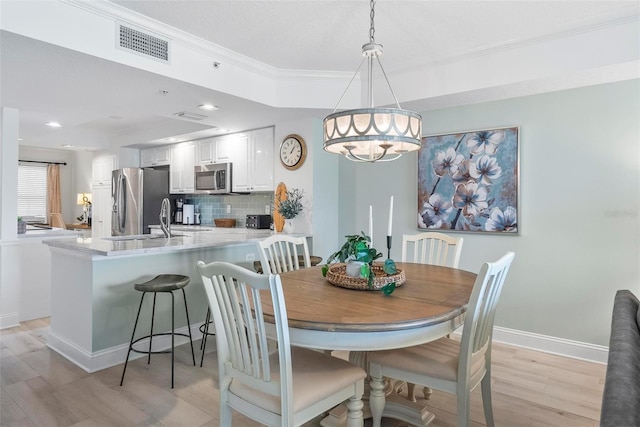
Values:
[(469, 181)]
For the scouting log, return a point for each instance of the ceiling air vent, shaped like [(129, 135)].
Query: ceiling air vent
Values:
[(143, 43), (190, 116)]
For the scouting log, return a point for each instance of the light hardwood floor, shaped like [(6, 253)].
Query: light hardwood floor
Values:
[(40, 388)]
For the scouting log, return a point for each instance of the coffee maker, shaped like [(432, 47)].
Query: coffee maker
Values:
[(177, 219)]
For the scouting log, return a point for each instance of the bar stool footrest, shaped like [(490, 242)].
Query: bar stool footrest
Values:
[(202, 327), (155, 335)]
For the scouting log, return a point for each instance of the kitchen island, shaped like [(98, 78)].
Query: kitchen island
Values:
[(93, 303)]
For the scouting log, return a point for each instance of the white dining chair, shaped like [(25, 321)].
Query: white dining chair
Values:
[(287, 387), (432, 248), (449, 365), (281, 253)]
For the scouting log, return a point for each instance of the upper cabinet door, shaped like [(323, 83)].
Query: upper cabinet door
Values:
[(237, 145), (261, 159), (181, 169), (225, 149), (251, 155), (206, 152), (102, 168), (156, 156), (215, 150)]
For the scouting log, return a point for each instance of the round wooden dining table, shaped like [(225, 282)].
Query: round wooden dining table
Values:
[(429, 305)]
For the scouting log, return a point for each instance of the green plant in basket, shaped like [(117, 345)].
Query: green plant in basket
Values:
[(356, 248)]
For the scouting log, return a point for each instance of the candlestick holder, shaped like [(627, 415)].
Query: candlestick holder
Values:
[(388, 247)]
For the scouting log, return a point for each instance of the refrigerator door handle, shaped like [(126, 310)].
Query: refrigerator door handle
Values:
[(122, 203)]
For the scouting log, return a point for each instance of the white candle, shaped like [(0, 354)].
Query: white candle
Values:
[(371, 225), (390, 216)]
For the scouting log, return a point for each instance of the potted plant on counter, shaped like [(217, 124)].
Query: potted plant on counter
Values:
[(22, 226), (290, 208)]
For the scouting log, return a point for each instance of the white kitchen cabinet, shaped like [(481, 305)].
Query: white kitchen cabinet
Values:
[(156, 156), (239, 158), (181, 168), (102, 168), (252, 158), (261, 159), (215, 150), (101, 211)]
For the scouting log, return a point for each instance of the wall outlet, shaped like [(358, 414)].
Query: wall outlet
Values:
[(250, 257), (267, 209), (228, 208)]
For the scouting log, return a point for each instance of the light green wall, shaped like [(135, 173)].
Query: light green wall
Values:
[(579, 205)]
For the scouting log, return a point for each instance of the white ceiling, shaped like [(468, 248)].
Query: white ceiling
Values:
[(99, 101)]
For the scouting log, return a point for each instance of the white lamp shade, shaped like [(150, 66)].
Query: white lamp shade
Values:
[(80, 199), (364, 134)]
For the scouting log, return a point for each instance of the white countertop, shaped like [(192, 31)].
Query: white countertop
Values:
[(145, 245), (44, 233)]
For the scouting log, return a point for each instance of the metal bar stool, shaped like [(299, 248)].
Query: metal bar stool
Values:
[(161, 283), (204, 328)]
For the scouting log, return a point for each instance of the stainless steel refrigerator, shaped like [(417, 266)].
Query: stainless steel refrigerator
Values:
[(137, 198)]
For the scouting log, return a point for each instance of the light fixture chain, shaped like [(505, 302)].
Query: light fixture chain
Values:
[(372, 30)]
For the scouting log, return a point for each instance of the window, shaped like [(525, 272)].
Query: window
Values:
[(32, 191)]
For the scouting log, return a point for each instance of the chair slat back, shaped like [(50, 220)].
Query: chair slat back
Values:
[(432, 248), (478, 324), (235, 299), (279, 253)]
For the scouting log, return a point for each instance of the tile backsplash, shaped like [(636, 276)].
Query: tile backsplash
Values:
[(240, 205)]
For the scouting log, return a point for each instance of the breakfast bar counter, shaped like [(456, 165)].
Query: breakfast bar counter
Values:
[(94, 304), (156, 243)]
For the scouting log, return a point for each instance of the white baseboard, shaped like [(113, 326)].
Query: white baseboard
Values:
[(547, 344), (103, 359), (9, 320)]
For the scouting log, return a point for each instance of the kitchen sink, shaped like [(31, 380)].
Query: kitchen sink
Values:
[(139, 237)]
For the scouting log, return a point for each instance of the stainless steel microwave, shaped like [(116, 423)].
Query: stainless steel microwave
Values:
[(213, 179)]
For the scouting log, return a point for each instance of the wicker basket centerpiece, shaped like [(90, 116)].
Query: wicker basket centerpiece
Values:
[(336, 275), (368, 276)]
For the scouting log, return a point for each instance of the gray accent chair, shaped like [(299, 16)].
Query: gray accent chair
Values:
[(621, 398)]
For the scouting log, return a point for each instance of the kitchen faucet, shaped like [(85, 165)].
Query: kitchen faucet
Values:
[(165, 217)]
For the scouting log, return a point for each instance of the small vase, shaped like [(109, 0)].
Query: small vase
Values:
[(288, 226), (22, 227)]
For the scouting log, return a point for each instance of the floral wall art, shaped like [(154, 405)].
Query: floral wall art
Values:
[(468, 181)]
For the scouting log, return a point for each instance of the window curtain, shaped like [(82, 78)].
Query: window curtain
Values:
[(53, 190)]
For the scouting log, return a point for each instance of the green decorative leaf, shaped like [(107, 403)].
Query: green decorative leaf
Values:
[(325, 269), (370, 281), (365, 271), (388, 289), (390, 267)]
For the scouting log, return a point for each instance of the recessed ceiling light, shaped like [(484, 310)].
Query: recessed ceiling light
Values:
[(20, 138), (171, 139), (208, 107), (222, 130), (67, 146), (54, 124)]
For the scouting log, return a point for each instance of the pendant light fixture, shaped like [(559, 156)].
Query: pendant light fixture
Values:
[(372, 134)]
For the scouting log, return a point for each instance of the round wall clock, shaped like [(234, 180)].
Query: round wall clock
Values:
[(293, 152)]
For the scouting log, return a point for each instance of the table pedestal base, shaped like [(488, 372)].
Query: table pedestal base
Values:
[(396, 406)]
